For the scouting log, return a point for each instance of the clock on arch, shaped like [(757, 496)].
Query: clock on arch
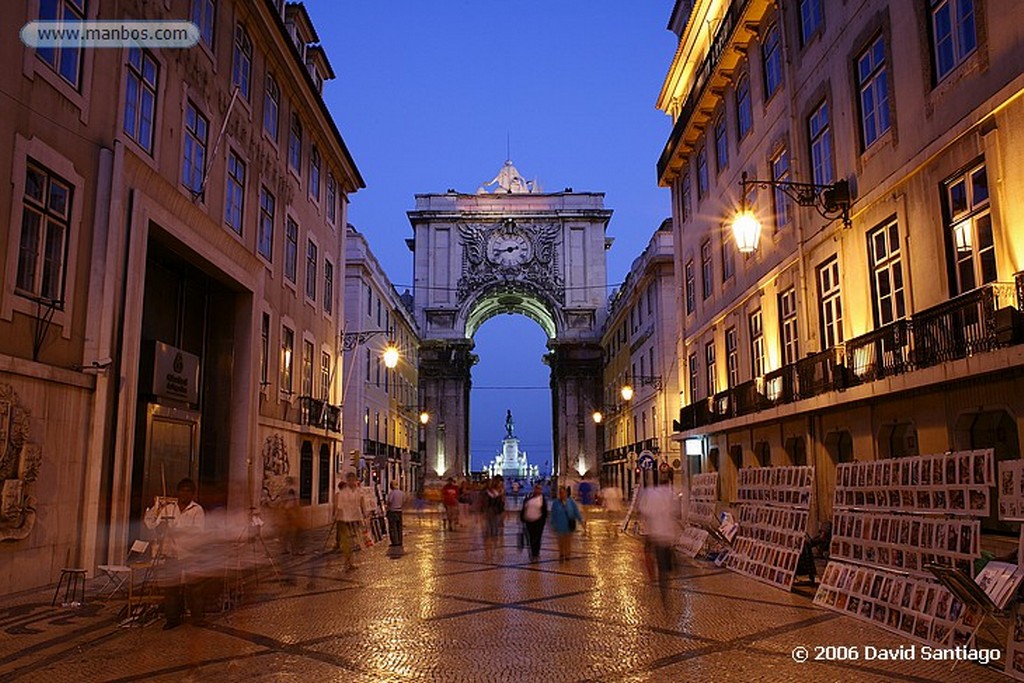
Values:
[(509, 248)]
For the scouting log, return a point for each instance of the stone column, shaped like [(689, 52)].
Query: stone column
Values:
[(576, 369), (444, 376)]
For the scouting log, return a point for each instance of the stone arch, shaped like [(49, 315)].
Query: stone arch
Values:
[(508, 298)]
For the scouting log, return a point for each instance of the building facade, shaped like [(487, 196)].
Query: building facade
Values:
[(169, 304), (381, 405), (898, 333), (639, 342)]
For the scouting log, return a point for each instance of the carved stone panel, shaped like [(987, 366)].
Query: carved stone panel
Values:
[(19, 468)]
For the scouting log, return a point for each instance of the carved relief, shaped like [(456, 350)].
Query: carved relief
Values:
[(19, 468), (510, 252), (276, 470)]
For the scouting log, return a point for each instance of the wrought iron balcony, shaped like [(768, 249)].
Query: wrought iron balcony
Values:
[(318, 413), (879, 353), (963, 326), (820, 372)]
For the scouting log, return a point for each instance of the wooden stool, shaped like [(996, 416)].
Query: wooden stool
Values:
[(73, 581)]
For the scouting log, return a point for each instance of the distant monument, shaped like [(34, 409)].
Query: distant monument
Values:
[(510, 462)]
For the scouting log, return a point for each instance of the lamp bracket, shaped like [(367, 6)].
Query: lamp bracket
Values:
[(830, 201), (350, 340)]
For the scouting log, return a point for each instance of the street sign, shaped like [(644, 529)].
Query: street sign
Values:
[(663, 467), (646, 460)]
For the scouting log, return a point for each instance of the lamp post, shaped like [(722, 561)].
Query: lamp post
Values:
[(830, 201)]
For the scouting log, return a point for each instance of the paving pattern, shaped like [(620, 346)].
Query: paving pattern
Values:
[(444, 612)]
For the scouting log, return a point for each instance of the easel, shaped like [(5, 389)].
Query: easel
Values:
[(143, 602), (249, 544), (975, 601), (631, 513)]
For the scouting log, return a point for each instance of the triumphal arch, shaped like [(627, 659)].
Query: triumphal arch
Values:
[(510, 248)]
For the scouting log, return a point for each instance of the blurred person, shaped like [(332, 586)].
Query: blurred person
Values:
[(352, 512), (565, 515), (336, 517), (291, 519), (493, 504), (659, 510), (534, 515), (611, 499), (180, 526), (395, 502), (450, 499), (465, 500)]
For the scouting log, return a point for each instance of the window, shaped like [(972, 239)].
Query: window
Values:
[(782, 207), (291, 249), (711, 376), (771, 58), (721, 144), (874, 92), (204, 13), (66, 61), (194, 158), (810, 19), (690, 291), (295, 144), (241, 62), (234, 193), (264, 350), (756, 345), (366, 424), (954, 36), (369, 301), (265, 237), (821, 145), (706, 269), (886, 274), (140, 97), (310, 270), (271, 107), (788, 335), (694, 370), (307, 368), (970, 225), (831, 304), (287, 348), (325, 376), (744, 111), (45, 223), (702, 172), (328, 287), (686, 198), (314, 173), (732, 357), (332, 198), (728, 254)]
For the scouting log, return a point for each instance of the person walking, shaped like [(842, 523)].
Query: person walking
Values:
[(565, 515), (494, 513), (336, 517), (450, 499), (395, 501), (534, 515), (351, 514), (660, 511)]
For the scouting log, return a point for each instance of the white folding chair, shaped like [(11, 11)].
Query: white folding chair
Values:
[(118, 575)]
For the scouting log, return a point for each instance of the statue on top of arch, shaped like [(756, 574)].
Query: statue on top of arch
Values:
[(510, 181)]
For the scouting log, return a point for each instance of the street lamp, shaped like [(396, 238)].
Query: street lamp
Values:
[(424, 417), (598, 417), (831, 201), (391, 356), (627, 392)]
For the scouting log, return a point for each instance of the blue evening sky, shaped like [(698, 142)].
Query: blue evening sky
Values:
[(427, 94)]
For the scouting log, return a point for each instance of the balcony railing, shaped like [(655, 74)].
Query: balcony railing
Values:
[(977, 321), (318, 413)]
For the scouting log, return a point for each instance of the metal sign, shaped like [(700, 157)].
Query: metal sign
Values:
[(646, 460), (175, 374)]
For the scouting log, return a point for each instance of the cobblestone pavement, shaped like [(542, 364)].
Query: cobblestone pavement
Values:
[(444, 612)]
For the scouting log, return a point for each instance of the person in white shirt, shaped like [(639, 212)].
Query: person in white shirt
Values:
[(659, 508), (395, 500), (350, 511), (180, 526)]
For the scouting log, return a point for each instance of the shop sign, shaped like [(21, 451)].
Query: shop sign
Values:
[(175, 374)]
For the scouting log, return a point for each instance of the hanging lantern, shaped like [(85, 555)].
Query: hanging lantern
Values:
[(746, 230), (627, 393), (391, 356)]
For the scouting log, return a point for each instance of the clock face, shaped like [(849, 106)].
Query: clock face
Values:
[(509, 249)]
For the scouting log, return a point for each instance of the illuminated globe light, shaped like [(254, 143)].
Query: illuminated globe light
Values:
[(598, 417), (627, 393), (746, 230), (391, 357), (424, 417)]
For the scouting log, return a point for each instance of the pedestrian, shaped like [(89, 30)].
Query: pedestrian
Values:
[(351, 515), (291, 519), (565, 515), (465, 499), (450, 499), (395, 501), (336, 517), (534, 514), (180, 525), (659, 509), (493, 512)]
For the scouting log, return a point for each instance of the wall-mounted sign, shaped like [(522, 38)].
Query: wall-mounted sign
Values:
[(175, 374)]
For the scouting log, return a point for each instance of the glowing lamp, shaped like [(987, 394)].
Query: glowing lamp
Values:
[(424, 417), (391, 356), (627, 393), (598, 417), (746, 230)]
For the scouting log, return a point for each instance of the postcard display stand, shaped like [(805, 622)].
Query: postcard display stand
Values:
[(891, 519), (1011, 509), (773, 506), (700, 514)]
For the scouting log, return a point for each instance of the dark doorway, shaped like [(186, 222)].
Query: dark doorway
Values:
[(796, 449), (306, 473), (323, 488), (839, 446), (995, 429)]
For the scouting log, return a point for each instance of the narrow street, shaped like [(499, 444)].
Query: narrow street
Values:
[(434, 613)]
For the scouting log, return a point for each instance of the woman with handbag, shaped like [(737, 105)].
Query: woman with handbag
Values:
[(533, 515), (565, 514)]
